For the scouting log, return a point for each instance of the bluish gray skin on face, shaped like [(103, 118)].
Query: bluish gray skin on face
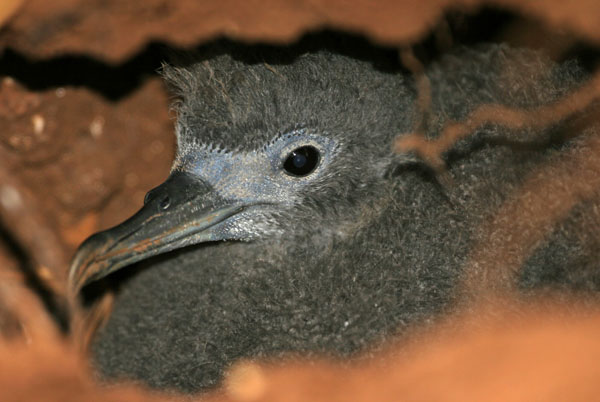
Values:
[(339, 260), (256, 177)]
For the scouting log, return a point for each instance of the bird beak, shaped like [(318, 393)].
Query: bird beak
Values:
[(180, 212)]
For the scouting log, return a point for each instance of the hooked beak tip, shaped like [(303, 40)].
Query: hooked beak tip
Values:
[(123, 245)]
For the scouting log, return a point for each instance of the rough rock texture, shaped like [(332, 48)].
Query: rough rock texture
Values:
[(67, 154), (115, 29)]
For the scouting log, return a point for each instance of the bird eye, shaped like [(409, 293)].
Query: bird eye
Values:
[(301, 161)]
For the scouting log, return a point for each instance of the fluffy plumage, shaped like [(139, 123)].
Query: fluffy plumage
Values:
[(370, 245)]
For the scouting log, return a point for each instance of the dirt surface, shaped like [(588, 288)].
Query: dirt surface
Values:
[(532, 354), (114, 30), (85, 132), (80, 159)]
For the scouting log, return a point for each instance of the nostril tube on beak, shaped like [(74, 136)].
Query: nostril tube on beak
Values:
[(165, 203)]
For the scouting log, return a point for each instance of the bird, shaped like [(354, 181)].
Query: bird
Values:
[(289, 223)]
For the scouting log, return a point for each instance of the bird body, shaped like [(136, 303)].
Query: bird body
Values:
[(327, 241)]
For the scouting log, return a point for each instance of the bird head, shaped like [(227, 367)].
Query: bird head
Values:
[(266, 152)]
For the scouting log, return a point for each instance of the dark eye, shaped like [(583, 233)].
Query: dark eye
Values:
[(302, 161)]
